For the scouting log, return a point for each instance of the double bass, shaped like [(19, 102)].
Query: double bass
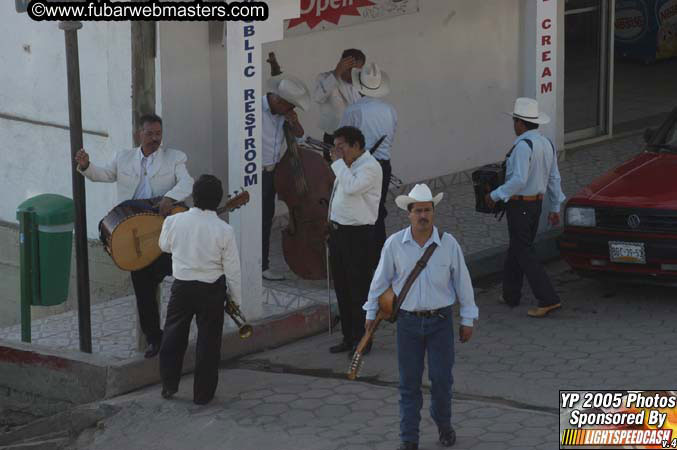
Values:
[(303, 181)]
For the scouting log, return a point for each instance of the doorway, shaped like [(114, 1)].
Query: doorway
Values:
[(587, 69)]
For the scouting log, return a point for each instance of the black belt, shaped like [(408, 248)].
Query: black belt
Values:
[(335, 226), (440, 312)]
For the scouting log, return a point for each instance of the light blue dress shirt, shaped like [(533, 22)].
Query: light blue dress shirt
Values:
[(444, 280), (530, 172), (374, 118)]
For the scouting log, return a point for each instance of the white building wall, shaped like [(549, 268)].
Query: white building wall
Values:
[(36, 157), (454, 67)]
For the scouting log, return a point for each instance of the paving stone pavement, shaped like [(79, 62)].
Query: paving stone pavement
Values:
[(113, 322), (606, 336), (256, 410)]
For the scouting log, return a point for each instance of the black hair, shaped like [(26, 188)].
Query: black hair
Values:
[(207, 192), (528, 125), (149, 118), (355, 53), (351, 135)]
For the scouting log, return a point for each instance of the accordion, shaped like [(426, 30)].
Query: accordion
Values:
[(486, 179)]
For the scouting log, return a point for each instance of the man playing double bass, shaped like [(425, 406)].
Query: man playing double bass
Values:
[(145, 172), (284, 94)]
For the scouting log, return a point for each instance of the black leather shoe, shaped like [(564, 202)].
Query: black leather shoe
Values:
[(447, 437), (152, 350), (168, 393), (340, 348), (408, 446)]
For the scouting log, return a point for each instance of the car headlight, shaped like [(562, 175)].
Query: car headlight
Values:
[(580, 217)]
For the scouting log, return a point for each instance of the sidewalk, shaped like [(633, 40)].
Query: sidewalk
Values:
[(113, 322)]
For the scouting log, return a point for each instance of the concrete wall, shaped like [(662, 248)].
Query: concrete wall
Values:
[(34, 146), (106, 280), (454, 67)]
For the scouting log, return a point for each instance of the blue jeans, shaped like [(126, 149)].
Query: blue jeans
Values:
[(415, 337)]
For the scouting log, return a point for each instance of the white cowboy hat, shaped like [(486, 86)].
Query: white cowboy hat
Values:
[(420, 193), (527, 110), (291, 89), (371, 81)]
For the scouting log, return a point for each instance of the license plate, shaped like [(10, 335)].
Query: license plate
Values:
[(627, 252)]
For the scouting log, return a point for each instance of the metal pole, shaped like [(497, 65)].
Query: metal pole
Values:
[(75, 119), (326, 245), (26, 254)]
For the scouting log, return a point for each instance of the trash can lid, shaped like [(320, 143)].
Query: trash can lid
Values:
[(50, 209)]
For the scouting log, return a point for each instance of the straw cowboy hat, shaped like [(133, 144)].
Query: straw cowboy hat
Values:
[(371, 81), (527, 110), (291, 89), (420, 193)]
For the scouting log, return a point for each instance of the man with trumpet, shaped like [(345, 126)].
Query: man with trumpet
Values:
[(206, 267)]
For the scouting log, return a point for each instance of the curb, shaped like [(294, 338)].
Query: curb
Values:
[(33, 374)]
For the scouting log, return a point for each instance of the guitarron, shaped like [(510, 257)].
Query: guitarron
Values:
[(131, 230)]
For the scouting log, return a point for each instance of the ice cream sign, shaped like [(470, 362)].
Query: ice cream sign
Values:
[(320, 15), (631, 20)]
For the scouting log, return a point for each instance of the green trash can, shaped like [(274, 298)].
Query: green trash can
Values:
[(46, 241)]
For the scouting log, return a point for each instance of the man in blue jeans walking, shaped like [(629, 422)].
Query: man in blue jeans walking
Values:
[(424, 323)]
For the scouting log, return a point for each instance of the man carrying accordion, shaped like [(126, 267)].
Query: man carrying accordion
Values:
[(530, 169)]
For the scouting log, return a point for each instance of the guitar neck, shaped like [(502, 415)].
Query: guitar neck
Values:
[(369, 334)]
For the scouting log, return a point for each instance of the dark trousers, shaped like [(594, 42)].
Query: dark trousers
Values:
[(268, 202), (351, 259), (146, 282), (205, 301), (523, 217), (417, 336), (380, 225)]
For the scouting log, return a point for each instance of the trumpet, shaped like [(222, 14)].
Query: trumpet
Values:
[(233, 310)]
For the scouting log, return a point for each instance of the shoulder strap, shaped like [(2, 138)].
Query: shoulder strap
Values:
[(377, 144), (529, 143), (416, 271), (553, 147)]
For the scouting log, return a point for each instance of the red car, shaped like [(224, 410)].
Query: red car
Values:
[(624, 223)]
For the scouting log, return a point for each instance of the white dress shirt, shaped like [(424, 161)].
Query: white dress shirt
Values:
[(444, 280), (374, 118), (357, 191), (333, 95), (272, 134), (143, 190), (203, 248), (531, 171)]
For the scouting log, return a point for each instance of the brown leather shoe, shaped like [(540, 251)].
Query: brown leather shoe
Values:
[(541, 311)]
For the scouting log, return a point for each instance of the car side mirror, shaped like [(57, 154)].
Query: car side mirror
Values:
[(649, 134)]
